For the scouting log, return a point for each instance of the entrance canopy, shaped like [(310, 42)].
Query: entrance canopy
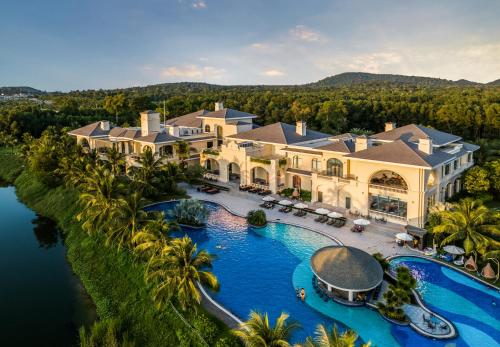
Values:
[(346, 268)]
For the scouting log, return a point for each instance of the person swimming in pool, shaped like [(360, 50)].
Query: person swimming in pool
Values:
[(303, 294)]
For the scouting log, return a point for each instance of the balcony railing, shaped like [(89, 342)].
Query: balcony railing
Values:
[(326, 173)]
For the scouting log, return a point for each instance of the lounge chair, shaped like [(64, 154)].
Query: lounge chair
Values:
[(459, 261), (470, 264)]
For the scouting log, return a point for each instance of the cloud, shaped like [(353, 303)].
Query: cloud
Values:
[(258, 45), (193, 72), (199, 4), (273, 73), (374, 62), (303, 33)]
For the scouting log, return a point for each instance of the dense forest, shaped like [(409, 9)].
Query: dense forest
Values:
[(471, 111)]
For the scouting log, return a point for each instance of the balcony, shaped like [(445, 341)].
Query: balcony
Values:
[(328, 174)]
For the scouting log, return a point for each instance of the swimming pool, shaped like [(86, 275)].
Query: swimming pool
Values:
[(473, 307), (259, 269)]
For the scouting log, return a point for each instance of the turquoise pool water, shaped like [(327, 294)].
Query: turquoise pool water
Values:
[(473, 307), (259, 269)]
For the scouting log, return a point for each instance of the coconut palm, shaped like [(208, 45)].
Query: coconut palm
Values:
[(470, 222), (183, 150), (116, 160), (146, 176), (100, 200), (332, 338), (153, 236), (177, 270), (257, 332), (128, 220)]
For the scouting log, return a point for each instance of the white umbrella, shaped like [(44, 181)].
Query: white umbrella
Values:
[(453, 250), (334, 215), (300, 206), (322, 211), (404, 237), (268, 198), (362, 222), (285, 202)]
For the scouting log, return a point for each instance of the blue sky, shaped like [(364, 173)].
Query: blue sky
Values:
[(81, 44)]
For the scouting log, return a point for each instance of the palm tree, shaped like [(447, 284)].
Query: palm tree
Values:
[(153, 236), (183, 150), (128, 220), (177, 270), (257, 332), (471, 222), (147, 174), (116, 160), (332, 338), (100, 200)]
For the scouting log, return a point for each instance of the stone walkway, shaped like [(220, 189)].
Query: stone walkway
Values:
[(376, 238)]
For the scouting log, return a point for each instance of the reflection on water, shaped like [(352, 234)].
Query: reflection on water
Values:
[(42, 303), (45, 231)]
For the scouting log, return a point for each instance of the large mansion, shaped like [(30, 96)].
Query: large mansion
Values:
[(397, 174)]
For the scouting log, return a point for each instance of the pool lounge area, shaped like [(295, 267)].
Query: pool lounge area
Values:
[(284, 252)]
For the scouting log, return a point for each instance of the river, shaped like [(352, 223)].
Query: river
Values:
[(42, 303)]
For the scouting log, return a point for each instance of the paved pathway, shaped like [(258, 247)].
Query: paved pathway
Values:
[(376, 238)]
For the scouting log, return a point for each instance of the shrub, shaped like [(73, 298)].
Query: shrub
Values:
[(191, 212), (207, 329), (382, 261), (256, 218), (228, 341)]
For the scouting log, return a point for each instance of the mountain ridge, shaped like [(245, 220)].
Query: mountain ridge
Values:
[(345, 79)]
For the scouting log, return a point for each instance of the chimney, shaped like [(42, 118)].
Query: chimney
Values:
[(301, 128), (105, 125), (150, 122), (425, 145), (219, 106), (390, 126), (361, 143)]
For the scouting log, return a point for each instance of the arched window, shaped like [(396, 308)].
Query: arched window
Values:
[(207, 128), (316, 164), (295, 161), (334, 167), (389, 179)]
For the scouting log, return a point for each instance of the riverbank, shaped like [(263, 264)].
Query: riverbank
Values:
[(112, 278)]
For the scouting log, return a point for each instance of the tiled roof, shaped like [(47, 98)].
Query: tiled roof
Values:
[(342, 146), (127, 133), (228, 113), (158, 138), (191, 120), (93, 129), (279, 133), (300, 150), (401, 152), (413, 133)]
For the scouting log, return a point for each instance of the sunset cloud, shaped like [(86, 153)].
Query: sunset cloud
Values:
[(193, 72)]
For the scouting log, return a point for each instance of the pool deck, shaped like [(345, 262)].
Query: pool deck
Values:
[(376, 238)]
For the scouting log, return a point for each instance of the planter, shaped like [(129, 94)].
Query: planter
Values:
[(258, 226), (393, 321)]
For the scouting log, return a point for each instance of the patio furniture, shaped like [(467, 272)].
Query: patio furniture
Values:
[(488, 272), (453, 250), (459, 261), (470, 264)]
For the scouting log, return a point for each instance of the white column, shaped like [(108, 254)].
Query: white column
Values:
[(351, 295)]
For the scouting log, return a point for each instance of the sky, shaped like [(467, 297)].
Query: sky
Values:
[(91, 44)]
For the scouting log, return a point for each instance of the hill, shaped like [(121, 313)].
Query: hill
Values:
[(495, 83), (353, 78), (19, 90)]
